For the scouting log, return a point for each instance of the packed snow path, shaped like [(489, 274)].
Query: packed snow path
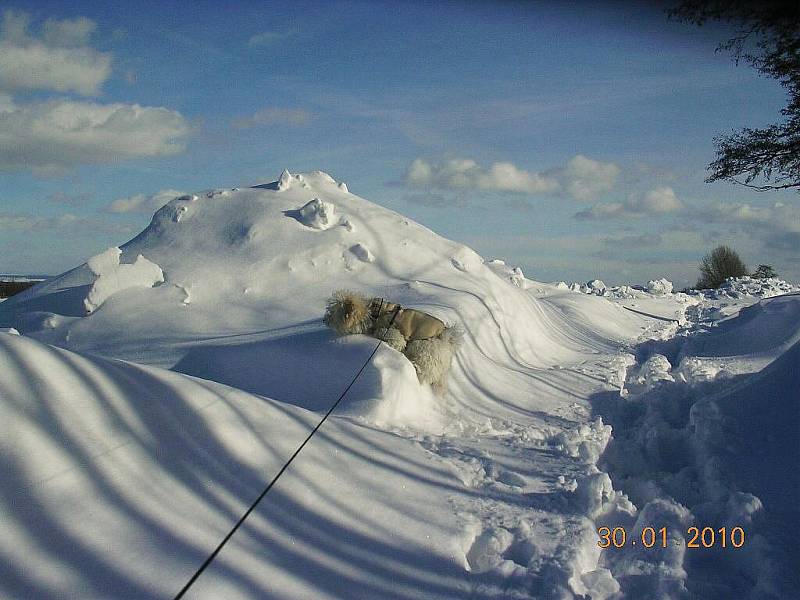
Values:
[(134, 437)]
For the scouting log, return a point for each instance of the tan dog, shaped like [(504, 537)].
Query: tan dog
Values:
[(413, 324), (425, 340)]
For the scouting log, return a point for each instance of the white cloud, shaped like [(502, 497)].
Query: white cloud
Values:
[(777, 214), (265, 38), (274, 115), (51, 136), (582, 178), (659, 201), (58, 60), (775, 226), (466, 173), (143, 203)]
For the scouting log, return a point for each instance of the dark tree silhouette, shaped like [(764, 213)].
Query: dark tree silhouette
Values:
[(764, 272), (768, 38), (722, 262)]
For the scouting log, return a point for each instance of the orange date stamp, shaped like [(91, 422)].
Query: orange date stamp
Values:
[(650, 537)]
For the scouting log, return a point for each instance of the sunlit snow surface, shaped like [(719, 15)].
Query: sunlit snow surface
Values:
[(137, 428)]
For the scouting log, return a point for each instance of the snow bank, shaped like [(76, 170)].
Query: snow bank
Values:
[(113, 277), (738, 287), (131, 475), (704, 444)]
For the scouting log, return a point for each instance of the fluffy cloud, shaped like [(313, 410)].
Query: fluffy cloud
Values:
[(272, 115), (51, 136), (582, 178), (143, 203), (659, 201), (776, 226), (775, 214), (59, 59)]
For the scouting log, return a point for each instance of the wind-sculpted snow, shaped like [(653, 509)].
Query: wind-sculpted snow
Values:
[(118, 480), (564, 412), (708, 444), (113, 277)]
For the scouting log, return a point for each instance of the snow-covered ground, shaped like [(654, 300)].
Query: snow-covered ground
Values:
[(155, 390)]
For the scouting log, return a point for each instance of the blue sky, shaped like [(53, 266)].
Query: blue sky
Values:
[(569, 140)]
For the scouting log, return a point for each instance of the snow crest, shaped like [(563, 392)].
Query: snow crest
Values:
[(113, 277)]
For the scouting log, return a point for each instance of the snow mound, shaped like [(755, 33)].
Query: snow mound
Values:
[(318, 214), (659, 286), (596, 286), (586, 442), (655, 369), (488, 548), (738, 287), (627, 292), (113, 277)]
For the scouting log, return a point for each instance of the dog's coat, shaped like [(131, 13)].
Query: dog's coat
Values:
[(425, 340), (413, 324)]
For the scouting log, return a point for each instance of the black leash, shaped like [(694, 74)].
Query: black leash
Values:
[(224, 541), (638, 312)]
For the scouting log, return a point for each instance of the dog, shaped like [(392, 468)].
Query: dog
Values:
[(425, 340)]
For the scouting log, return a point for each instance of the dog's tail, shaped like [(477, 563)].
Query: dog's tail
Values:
[(347, 312)]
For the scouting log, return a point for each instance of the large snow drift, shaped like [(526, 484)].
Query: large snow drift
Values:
[(134, 436)]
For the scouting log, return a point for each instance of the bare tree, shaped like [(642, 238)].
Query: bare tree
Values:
[(722, 262)]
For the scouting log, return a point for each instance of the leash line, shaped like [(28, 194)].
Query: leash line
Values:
[(639, 312), (242, 519)]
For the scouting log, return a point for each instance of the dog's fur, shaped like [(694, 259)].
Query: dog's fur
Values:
[(348, 313), (395, 338), (413, 324), (432, 357), (425, 340)]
